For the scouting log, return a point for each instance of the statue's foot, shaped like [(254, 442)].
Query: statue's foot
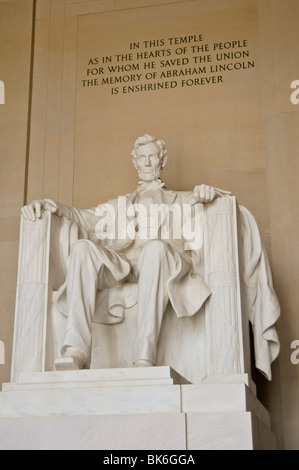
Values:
[(66, 363), (143, 363), (71, 359)]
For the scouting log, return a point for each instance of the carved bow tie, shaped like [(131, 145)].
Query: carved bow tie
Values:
[(152, 186)]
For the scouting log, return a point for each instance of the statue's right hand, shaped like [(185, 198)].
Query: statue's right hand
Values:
[(35, 210)]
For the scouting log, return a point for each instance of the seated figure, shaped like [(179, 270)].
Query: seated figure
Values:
[(151, 238)]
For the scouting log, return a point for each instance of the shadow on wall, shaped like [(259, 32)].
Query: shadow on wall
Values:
[(2, 353), (2, 92)]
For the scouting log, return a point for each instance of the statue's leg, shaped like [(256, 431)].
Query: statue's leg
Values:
[(90, 268), (155, 266)]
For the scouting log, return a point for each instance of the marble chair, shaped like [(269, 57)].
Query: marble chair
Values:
[(212, 344)]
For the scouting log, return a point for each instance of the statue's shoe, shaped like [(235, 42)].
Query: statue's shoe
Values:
[(66, 363), (71, 359), (143, 363)]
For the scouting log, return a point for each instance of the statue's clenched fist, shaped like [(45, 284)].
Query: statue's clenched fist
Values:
[(204, 194)]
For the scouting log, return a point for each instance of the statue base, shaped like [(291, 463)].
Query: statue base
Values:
[(150, 408)]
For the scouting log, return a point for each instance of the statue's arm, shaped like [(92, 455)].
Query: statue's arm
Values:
[(35, 209), (85, 218)]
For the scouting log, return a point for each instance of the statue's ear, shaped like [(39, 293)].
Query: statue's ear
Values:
[(164, 161), (134, 160)]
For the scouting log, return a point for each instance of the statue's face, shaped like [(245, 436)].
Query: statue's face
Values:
[(148, 163)]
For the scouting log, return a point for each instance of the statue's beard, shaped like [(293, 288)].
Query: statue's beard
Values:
[(149, 175)]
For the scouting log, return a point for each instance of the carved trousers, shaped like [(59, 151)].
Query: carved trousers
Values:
[(91, 267)]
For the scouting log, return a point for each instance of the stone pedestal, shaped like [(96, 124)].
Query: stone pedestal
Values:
[(150, 408)]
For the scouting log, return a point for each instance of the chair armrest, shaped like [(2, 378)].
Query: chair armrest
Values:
[(226, 322), (39, 271)]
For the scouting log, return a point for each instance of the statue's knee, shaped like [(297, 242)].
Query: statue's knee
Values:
[(81, 250)]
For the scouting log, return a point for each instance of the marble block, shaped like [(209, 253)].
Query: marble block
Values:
[(228, 431), (91, 400), (91, 392), (130, 408), (162, 375), (230, 397), (166, 431), (231, 378)]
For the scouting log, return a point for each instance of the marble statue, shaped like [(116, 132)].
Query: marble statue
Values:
[(152, 238)]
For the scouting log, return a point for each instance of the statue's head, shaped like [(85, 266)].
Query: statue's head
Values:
[(149, 157)]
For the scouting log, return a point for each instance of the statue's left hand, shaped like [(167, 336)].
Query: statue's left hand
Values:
[(204, 193)]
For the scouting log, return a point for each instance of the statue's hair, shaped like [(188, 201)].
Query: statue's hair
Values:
[(148, 139)]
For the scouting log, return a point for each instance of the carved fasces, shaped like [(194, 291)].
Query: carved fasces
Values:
[(32, 296), (224, 325)]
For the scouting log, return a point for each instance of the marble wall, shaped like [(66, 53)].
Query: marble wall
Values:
[(239, 134), (15, 64), (279, 34)]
